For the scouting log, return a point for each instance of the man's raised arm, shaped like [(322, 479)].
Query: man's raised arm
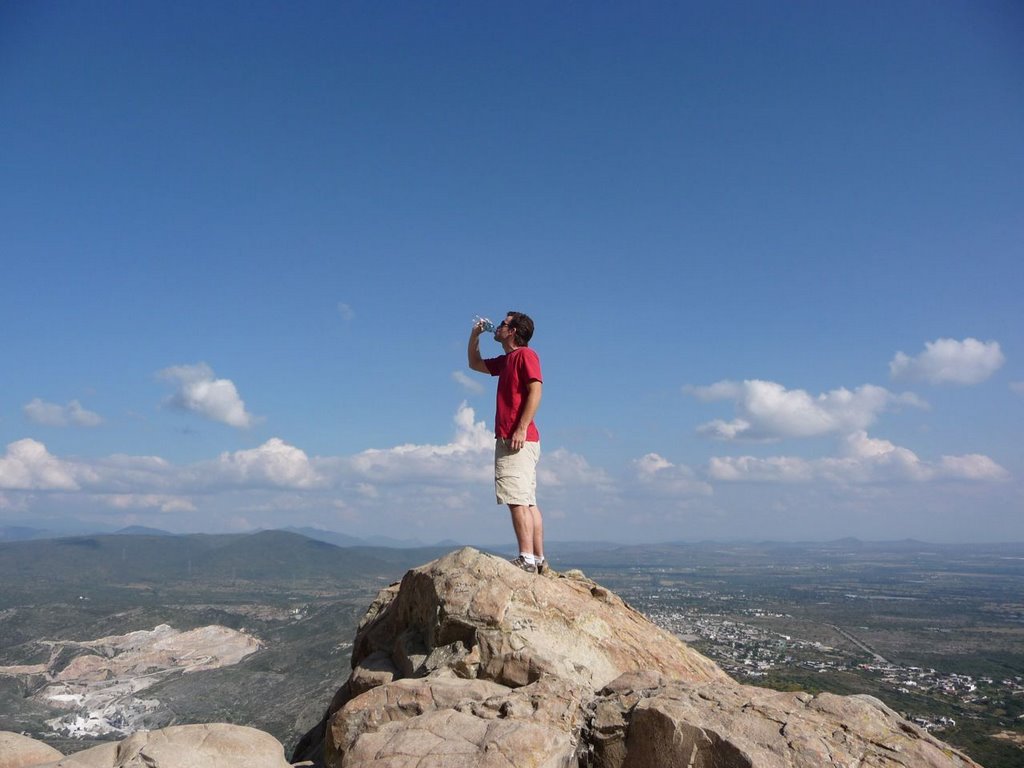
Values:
[(476, 361)]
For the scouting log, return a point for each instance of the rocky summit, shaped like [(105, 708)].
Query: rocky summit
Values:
[(470, 662)]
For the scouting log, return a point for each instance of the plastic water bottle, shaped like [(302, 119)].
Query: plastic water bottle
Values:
[(488, 325)]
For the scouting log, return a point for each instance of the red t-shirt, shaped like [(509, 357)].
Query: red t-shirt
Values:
[(515, 371)]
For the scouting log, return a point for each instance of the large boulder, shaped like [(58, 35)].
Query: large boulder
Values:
[(17, 751), (472, 662), (216, 745), (470, 616), (481, 617), (413, 723), (644, 721), (452, 721)]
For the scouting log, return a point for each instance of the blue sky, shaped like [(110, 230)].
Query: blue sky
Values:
[(773, 251)]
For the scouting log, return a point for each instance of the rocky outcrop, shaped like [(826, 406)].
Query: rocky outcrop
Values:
[(416, 722), (477, 616), (184, 746), (17, 751), (472, 662), (645, 720)]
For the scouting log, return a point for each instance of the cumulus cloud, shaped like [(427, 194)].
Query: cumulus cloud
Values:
[(467, 382), (768, 411), (53, 415), (737, 429), (973, 466), (651, 464), (199, 392), (562, 468), (28, 466), (274, 464), (752, 469), (948, 361), (123, 474), (656, 474), (860, 459), (466, 457)]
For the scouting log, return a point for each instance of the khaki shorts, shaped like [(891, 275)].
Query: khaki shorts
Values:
[(515, 473)]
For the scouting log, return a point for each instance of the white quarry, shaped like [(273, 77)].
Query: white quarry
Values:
[(99, 688)]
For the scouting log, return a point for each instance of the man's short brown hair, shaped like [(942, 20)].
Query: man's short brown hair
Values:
[(523, 327)]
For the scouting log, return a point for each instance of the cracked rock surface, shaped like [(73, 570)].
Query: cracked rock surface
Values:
[(641, 720)]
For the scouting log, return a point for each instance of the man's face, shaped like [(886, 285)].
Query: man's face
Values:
[(504, 330)]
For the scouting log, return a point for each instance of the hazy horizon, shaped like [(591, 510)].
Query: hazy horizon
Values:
[(497, 544)]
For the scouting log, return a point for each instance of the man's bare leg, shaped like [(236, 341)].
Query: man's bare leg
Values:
[(538, 532), (522, 524)]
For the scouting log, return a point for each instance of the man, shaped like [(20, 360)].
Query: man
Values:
[(517, 442)]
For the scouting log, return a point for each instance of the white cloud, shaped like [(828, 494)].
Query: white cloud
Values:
[(467, 382), (973, 466), (467, 457), (275, 464), (651, 464), (562, 468), (864, 459), (726, 430), (52, 415), (948, 361), (779, 469), (48, 414), (656, 474), (861, 460), (346, 311), (768, 411), (161, 502), (122, 474), (1017, 386), (721, 390), (27, 465), (199, 392)]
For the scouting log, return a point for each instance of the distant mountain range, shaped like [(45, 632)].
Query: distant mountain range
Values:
[(344, 540), (27, 533), (159, 558)]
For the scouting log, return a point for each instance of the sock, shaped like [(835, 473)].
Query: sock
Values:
[(528, 558)]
